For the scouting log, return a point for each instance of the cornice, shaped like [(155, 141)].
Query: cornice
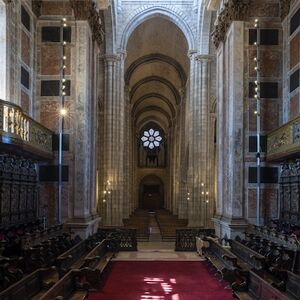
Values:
[(234, 10), (87, 10), (284, 8)]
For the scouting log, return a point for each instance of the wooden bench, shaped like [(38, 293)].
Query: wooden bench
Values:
[(73, 258), (222, 259), (292, 285), (96, 262), (250, 257), (31, 286), (69, 287), (257, 288)]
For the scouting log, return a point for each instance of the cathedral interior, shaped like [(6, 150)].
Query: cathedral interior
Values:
[(149, 149)]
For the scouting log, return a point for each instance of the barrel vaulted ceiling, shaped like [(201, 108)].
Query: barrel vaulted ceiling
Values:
[(156, 69)]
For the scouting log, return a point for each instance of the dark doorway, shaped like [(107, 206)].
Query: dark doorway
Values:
[(151, 193)]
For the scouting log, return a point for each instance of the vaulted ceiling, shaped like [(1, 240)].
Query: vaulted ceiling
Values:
[(156, 69)]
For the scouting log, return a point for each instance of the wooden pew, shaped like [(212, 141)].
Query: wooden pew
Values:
[(73, 258), (68, 287), (250, 257), (257, 288), (31, 286), (222, 259), (292, 286), (96, 262)]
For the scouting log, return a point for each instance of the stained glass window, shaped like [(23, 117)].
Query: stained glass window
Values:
[(151, 138)]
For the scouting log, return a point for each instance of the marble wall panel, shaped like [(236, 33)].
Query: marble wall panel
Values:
[(25, 53), (56, 8), (269, 115), (295, 50), (294, 106), (270, 63), (269, 201), (49, 114), (25, 102), (51, 59)]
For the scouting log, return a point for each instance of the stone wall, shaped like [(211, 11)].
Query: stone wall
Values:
[(291, 38), (234, 37), (20, 51)]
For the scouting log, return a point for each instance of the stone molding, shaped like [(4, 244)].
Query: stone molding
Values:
[(87, 10), (284, 8), (204, 58), (171, 12), (234, 10), (109, 57)]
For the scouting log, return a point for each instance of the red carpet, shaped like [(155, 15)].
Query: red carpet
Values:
[(161, 280)]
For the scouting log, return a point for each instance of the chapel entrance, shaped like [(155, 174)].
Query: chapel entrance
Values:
[(151, 193)]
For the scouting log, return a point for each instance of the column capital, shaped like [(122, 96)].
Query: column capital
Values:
[(109, 57), (182, 92), (122, 53), (192, 54), (204, 57), (88, 10)]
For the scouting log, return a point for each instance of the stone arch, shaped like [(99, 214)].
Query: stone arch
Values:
[(155, 109), (154, 95), (168, 12), (156, 120), (156, 57), (160, 79)]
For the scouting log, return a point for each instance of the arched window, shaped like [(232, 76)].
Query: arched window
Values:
[(2, 50)]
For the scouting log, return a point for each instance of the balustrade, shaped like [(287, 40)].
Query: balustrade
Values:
[(18, 128)]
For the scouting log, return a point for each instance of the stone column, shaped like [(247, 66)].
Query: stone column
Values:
[(182, 172), (127, 205), (114, 131), (82, 218), (230, 205), (198, 118)]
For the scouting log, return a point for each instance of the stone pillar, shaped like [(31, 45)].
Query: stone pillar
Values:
[(3, 51), (82, 216), (198, 118), (230, 205), (182, 172), (114, 131), (127, 205)]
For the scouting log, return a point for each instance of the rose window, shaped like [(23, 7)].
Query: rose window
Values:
[(151, 138)]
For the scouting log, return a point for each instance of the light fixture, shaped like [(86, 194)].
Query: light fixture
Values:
[(63, 112), (257, 112)]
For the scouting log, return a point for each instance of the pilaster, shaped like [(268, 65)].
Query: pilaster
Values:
[(114, 138), (83, 218), (230, 202), (198, 179)]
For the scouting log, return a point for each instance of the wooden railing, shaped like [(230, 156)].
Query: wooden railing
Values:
[(186, 238), (17, 128), (120, 239), (284, 142)]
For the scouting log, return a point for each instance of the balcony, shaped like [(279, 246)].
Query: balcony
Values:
[(284, 142), (19, 134)]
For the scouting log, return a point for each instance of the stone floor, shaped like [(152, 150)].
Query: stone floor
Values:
[(156, 251)]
